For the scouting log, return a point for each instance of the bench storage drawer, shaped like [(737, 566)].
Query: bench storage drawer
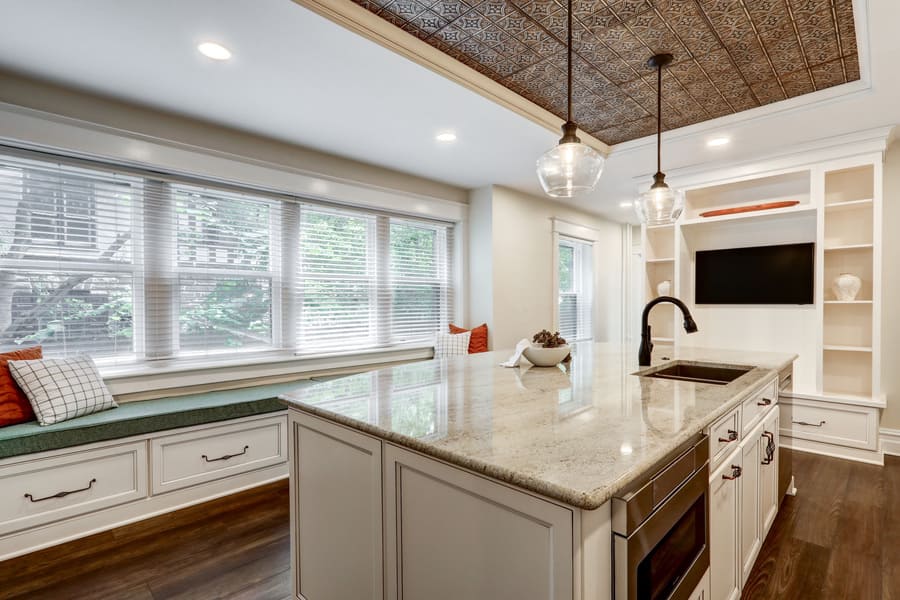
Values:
[(203, 455), (840, 424), (44, 490)]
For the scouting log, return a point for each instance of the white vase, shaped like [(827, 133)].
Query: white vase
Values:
[(845, 287), (664, 288)]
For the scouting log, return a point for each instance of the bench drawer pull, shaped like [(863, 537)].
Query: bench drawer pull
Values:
[(808, 424), (62, 494), (227, 456)]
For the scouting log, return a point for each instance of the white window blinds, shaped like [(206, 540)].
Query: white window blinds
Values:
[(575, 294), (136, 266)]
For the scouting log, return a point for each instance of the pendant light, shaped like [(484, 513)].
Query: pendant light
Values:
[(660, 205), (571, 168)]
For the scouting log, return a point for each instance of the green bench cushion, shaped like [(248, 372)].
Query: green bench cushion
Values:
[(148, 416)]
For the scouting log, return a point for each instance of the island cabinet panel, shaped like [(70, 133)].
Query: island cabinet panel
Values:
[(336, 511), (749, 485), (494, 542), (724, 529), (768, 473)]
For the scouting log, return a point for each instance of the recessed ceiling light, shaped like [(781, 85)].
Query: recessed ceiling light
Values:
[(718, 141), (445, 136), (214, 51)]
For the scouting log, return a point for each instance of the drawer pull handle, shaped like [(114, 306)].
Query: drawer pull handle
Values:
[(227, 456), (765, 402), (732, 436), (62, 494), (808, 424), (736, 472)]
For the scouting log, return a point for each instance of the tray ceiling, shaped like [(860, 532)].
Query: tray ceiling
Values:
[(730, 55)]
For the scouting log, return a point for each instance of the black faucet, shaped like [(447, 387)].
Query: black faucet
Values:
[(646, 345)]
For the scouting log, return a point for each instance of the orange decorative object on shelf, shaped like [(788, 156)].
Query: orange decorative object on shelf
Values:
[(755, 207)]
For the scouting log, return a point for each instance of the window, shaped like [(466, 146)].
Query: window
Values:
[(132, 267), (68, 273), (575, 293)]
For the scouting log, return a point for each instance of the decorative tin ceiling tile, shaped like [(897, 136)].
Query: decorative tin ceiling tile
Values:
[(730, 55)]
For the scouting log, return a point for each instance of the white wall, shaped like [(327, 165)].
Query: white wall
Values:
[(515, 293), (151, 125), (890, 316)]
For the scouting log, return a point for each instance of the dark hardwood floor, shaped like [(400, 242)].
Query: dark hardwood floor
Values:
[(234, 548), (838, 539)]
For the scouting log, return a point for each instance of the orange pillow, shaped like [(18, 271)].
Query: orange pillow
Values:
[(14, 405), (479, 339)]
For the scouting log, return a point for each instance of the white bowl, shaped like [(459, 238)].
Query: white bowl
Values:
[(546, 357)]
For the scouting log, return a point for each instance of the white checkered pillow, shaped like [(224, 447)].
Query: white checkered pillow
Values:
[(451, 344), (60, 389)]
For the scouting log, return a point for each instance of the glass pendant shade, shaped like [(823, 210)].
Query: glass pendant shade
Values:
[(569, 169), (660, 205)]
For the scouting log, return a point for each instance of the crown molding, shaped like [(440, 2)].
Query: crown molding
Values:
[(372, 27), (828, 148)]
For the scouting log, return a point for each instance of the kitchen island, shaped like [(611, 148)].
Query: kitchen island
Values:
[(458, 478)]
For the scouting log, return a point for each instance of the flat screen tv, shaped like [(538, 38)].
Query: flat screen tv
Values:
[(761, 275)]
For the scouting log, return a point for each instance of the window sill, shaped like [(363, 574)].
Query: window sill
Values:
[(152, 380)]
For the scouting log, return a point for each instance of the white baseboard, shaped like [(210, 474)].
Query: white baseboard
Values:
[(890, 441), (38, 538), (875, 457)]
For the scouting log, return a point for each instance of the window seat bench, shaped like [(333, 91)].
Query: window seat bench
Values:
[(93, 473), (146, 416)]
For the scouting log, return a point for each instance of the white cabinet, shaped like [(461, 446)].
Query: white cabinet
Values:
[(768, 473), (495, 542), (748, 482), (336, 517), (724, 530), (743, 491), (371, 520)]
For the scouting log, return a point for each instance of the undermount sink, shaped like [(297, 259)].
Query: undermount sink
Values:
[(700, 373)]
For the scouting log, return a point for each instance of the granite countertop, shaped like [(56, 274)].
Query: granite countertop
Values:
[(577, 434)]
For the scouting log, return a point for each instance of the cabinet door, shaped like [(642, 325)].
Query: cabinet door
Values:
[(450, 534), (748, 483), (724, 529), (336, 511), (768, 476)]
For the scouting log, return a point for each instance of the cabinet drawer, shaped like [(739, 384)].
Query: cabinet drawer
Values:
[(757, 405), (37, 492), (720, 437), (198, 456), (841, 424)]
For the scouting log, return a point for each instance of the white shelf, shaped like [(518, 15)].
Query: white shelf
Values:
[(662, 340), (851, 204), (849, 247), (757, 215), (834, 348), (848, 302), (657, 261)]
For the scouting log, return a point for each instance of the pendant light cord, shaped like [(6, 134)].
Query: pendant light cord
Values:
[(569, 61), (658, 118)]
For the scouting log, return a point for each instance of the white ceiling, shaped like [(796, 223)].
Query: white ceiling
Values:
[(298, 77)]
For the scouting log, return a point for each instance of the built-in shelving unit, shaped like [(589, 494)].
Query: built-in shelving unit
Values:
[(850, 245), (659, 261), (838, 341)]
